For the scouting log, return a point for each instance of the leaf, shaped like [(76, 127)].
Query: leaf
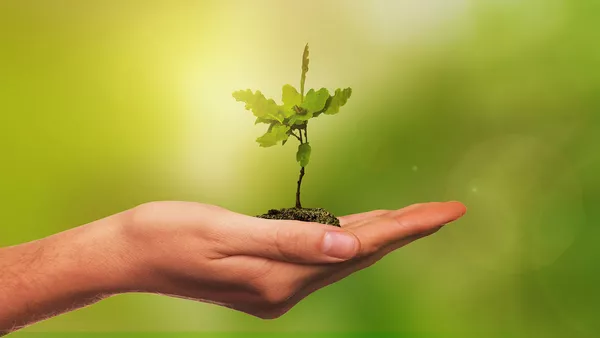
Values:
[(289, 133), (257, 103), (303, 154), (276, 118), (276, 133), (267, 120), (338, 100), (290, 97), (299, 119), (292, 120), (315, 100), (305, 62)]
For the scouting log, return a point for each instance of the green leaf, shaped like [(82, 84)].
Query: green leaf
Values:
[(290, 97), (276, 133), (299, 119), (292, 120), (257, 103), (305, 62), (303, 154), (315, 100), (267, 120), (338, 100)]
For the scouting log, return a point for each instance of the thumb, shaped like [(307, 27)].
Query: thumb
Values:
[(299, 242)]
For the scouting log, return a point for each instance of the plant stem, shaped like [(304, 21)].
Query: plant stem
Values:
[(298, 204), (302, 170), (306, 131), (296, 136)]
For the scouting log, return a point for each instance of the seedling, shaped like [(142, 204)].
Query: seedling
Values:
[(290, 119)]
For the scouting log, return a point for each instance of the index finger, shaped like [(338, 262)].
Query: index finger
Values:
[(388, 228), (349, 219), (354, 219)]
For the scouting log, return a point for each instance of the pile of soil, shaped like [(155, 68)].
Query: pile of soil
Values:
[(317, 215)]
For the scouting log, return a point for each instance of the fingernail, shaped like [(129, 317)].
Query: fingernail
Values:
[(340, 244)]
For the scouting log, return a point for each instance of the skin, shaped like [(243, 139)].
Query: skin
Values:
[(204, 253)]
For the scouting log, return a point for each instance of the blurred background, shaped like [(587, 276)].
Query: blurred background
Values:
[(108, 104)]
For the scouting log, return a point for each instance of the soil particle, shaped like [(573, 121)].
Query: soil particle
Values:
[(317, 215)]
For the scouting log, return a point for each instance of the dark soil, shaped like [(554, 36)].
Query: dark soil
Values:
[(317, 215)]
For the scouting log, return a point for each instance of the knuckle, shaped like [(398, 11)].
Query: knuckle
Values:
[(410, 228), (397, 221), (288, 243), (368, 250), (387, 221)]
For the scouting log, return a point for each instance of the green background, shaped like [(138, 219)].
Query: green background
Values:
[(108, 104)]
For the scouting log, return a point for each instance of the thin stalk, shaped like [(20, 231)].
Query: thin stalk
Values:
[(306, 131), (298, 204), (296, 136), (302, 170)]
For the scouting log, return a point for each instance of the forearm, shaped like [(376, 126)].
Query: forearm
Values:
[(62, 272)]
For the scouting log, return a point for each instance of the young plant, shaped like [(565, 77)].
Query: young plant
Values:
[(290, 119)]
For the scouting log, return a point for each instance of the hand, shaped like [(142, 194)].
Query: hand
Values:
[(201, 252), (258, 266)]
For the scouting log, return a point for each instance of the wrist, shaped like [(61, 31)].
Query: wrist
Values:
[(93, 260), (56, 274)]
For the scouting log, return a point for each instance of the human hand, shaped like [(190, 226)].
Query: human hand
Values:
[(258, 266)]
